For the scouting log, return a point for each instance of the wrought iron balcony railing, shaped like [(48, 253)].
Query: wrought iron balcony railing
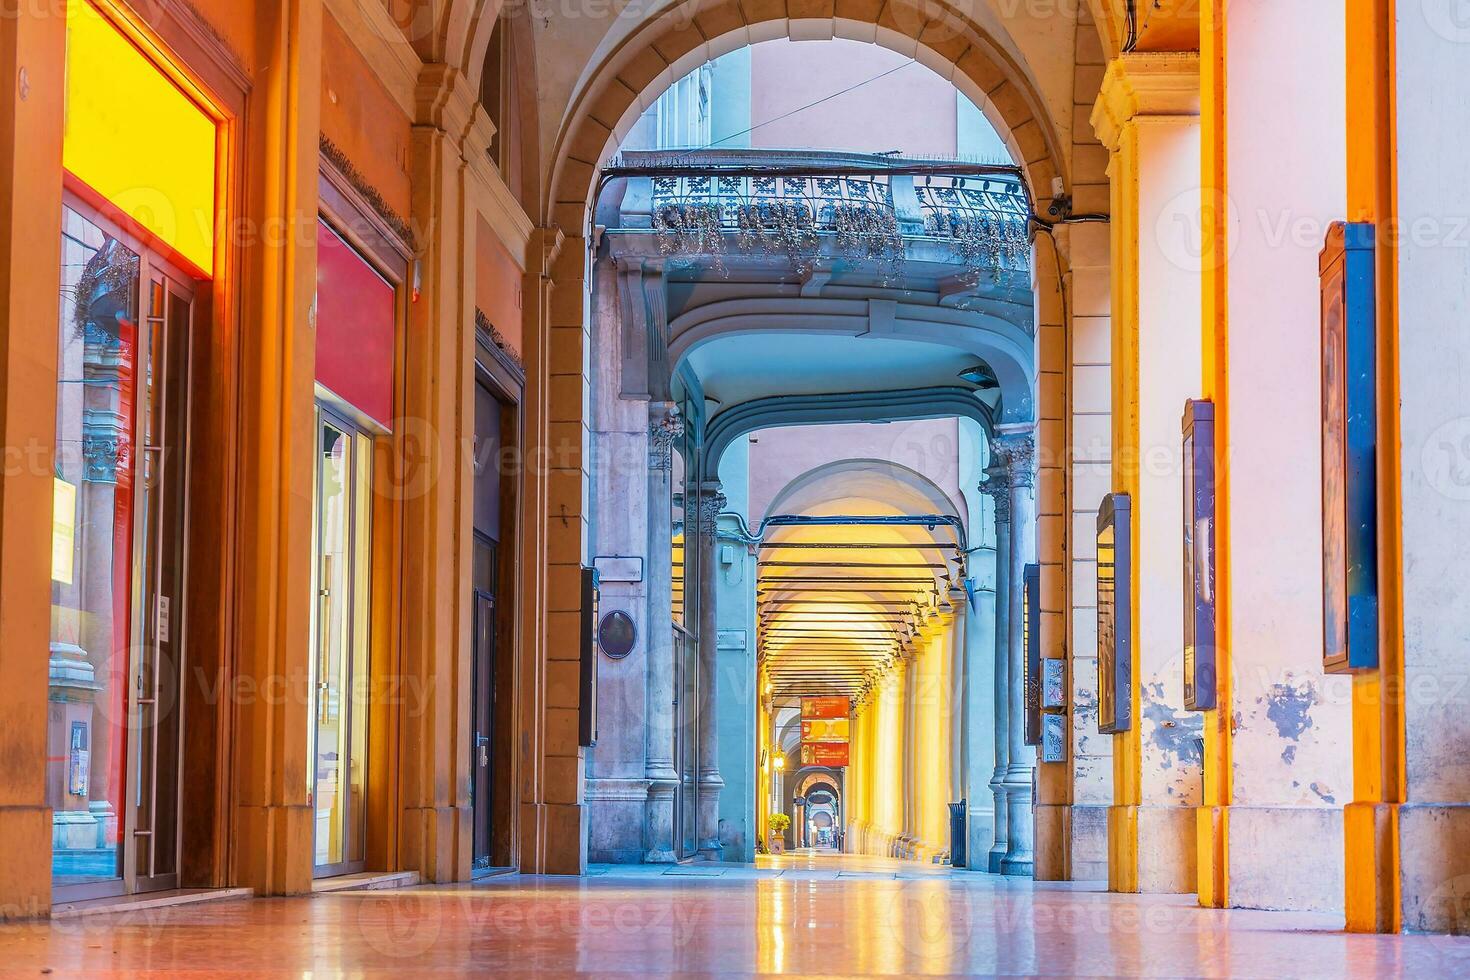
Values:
[(866, 208)]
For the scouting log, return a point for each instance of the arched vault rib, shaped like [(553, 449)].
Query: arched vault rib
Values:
[(999, 343), (864, 406)]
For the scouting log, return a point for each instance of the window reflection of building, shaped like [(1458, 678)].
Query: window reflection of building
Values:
[(91, 553)]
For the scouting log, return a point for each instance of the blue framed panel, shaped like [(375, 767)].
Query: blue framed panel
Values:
[(1349, 450), (1199, 555), (1115, 614)]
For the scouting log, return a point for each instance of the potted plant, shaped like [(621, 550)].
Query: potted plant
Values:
[(778, 824)]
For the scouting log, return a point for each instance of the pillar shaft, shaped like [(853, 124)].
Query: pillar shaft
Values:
[(664, 427), (33, 57), (979, 711), (998, 486), (708, 503), (1147, 116), (1016, 450), (1278, 762), (273, 813)]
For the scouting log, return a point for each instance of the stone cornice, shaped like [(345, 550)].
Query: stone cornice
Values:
[(445, 100), (1145, 84)]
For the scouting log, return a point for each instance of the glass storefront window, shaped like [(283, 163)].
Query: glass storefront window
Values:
[(91, 584)]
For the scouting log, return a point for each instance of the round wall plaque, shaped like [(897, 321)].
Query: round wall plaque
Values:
[(616, 634)]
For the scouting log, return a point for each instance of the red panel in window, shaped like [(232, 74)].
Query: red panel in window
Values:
[(355, 320)]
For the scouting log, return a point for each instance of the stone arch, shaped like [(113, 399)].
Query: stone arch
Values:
[(880, 480), (935, 32), (866, 406)]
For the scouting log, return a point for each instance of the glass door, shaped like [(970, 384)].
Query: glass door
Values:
[(340, 631), (157, 711), (482, 667), (120, 493)]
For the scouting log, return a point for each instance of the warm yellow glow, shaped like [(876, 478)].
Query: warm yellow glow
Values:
[(63, 530), (135, 139), (780, 762)]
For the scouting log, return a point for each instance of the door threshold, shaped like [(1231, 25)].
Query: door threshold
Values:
[(146, 900), (365, 881), (479, 873)]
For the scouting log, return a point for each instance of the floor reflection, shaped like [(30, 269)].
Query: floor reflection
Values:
[(811, 913)]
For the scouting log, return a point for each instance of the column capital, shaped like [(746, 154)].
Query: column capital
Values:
[(1145, 83), (708, 502), (997, 486), (665, 426), (1014, 453)]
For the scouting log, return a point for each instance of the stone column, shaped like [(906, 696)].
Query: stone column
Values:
[(1016, 448), (979, 709), (957, 688), (1147, 115), (708, 502), (997, 486), (1279, 747), (664, 428), (273, 816), (33, 53)]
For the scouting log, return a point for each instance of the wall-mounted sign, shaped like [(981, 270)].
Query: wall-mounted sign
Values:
[(1031, 650), (1114, 615), (833, 754), (1053, 684), (825, 729), (617, 635), (1054, 738), (1199, 555), (826, 706), (1349, 450), (618, 568)]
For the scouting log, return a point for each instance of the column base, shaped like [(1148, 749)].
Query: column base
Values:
[(1434, 867), (275, 848), (620, 815), (1019, 857), (1284, 857), (437, 842), (1151, 849), (659, 821), (566, 839), (25, 887), (1071, 842)]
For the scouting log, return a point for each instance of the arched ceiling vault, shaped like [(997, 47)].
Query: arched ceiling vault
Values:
[(989, 57), (859, 561)]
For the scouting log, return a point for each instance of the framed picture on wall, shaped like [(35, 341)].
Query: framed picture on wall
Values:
[(1349, 450), (1199, 555), (1114, 615), (1031, 647)]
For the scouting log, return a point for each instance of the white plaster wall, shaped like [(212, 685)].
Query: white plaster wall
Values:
[(1434, 375), (1169, 373), (1287, 181)]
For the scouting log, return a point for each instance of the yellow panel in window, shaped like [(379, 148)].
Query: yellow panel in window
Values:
[(63, 531), (136, 140)]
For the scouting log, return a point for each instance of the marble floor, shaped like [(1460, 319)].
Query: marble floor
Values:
[(819, 914)]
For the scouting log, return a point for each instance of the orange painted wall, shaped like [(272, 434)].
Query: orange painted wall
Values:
[(235, 23), (361, 118), (498, 285)]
